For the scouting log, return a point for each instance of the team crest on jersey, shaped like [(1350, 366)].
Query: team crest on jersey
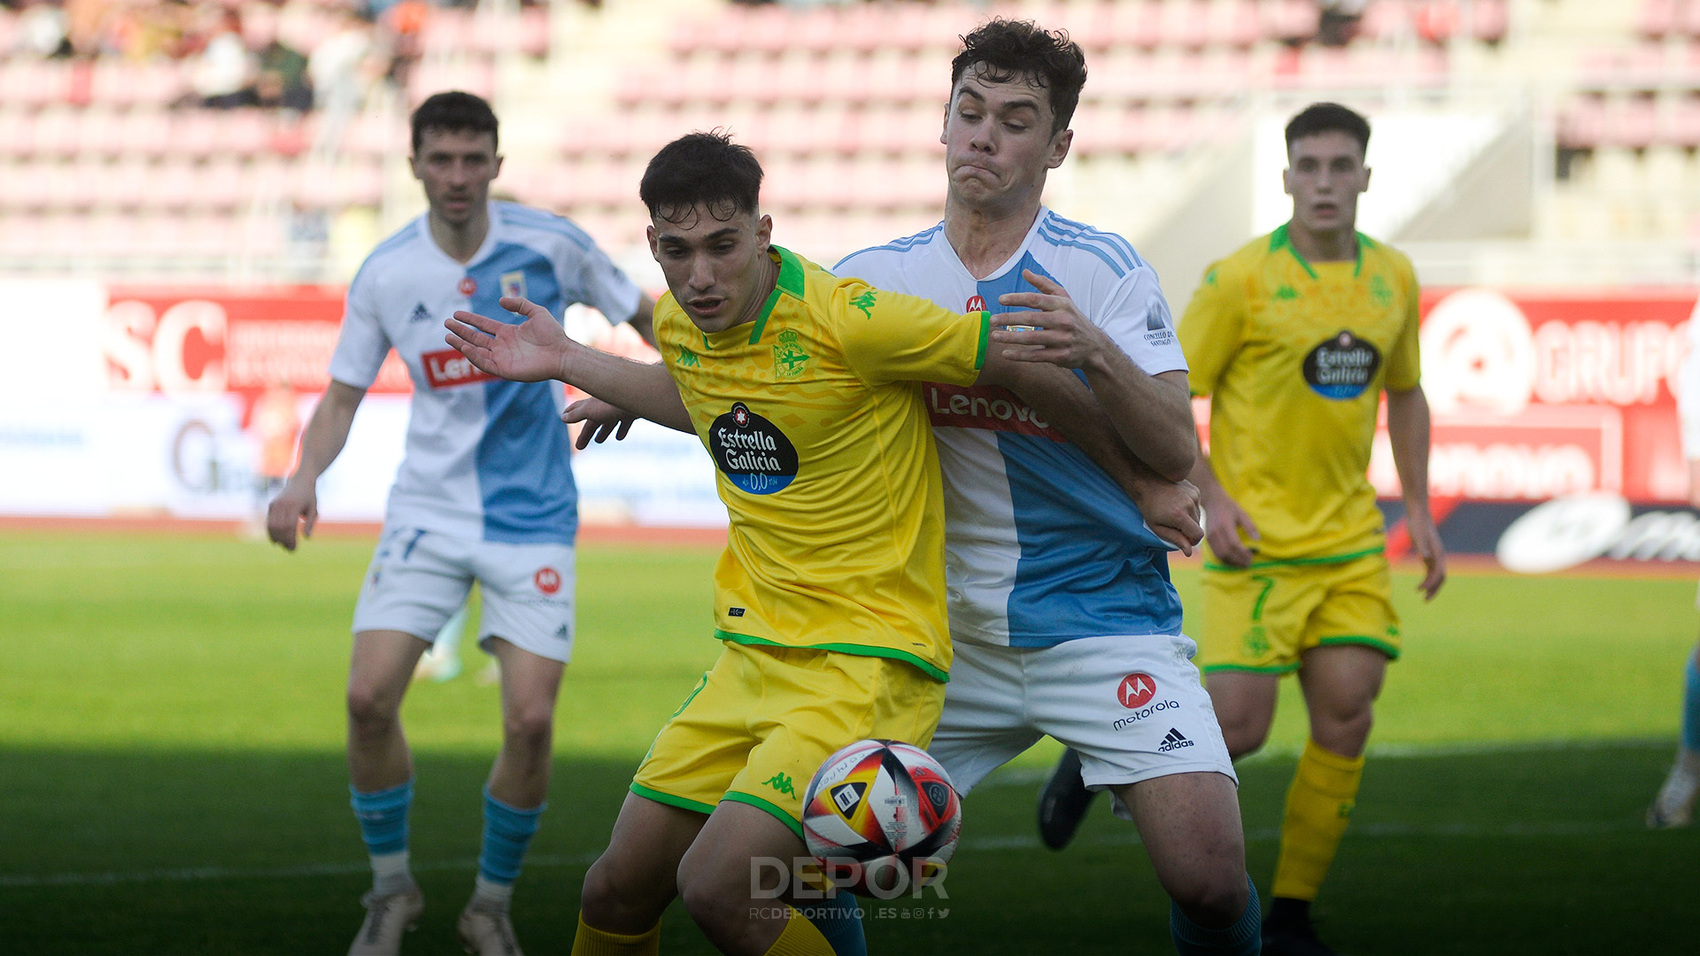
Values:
[(1159, 328), (789, 359), (753, 454), (1342, 367), (513, 284)]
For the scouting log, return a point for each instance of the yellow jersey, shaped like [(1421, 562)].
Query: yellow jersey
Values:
[(825, 461), (1294, 356)]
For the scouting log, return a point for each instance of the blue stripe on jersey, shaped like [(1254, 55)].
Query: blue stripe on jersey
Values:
[(1113, 250), (1087, 566), (896, 245), (524, 474)]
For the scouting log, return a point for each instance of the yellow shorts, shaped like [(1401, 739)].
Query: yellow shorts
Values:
[(1261, 619), (763, 719)]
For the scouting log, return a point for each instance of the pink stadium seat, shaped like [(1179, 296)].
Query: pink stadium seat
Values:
[(1136, 23), (1186, 24), (1385, 20), (1656, 19), (1680, 125), (1581, 123), (195, 133), (1631, 123), (58, 132), (100, 132), (124, 184), (34, 83), (63, 235), (447, 31), (223, 185), (1688, 19), (23, 186), (1290, 21), (534, 35), (1489, 19), (1234, 23), (899, 80), (146, 132), (17, 133)]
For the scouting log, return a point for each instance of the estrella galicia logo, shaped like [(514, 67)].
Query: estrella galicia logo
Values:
[(1342, 367), (751, 451)]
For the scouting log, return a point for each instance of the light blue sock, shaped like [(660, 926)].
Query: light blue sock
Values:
[(383, 818), (1243, 938), (1691, 707), (507, 833), (839, 919)]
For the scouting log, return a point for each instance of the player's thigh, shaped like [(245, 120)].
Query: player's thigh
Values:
[(1253, 620), (636, 876), (530, 683), (1190, 825), (1244, 702), (1340, 684), (738, 843), (1132, 706), (379, 669), (1354, 606), (416, 581), (813, 703), (984, 724), (527, 597)]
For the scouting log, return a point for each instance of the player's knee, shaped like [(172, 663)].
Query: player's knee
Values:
[(1244, 736), (368, 709), (1215, 898), (718, 909), (529, 725), (604, 905)]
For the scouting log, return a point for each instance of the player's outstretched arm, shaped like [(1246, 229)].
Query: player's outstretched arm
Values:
[(1408, 433), (296, 507), (539, 349), (1152, 413)]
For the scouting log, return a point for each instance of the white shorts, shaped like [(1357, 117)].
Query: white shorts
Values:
[(418, 579), (1133, 706)]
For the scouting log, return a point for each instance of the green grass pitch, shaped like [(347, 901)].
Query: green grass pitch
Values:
[(172, 778)]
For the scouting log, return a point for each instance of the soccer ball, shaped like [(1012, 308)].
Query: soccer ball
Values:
[(881, 817)]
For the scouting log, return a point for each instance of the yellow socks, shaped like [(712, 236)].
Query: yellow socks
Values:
[(591, 941), (1319, 805), (800, 938)]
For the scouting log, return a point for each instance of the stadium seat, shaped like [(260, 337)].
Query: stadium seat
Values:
[(1656, 19), (146, 132), (1680, 124), (1581, 123), (1631, 123), (58, 132), (1290, 21), (1185, 23), (34, 84), (17, 133)]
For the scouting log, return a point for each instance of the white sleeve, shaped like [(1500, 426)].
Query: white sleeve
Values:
[(361, 345), (1688, 394), (1137, 318), (599, 283)]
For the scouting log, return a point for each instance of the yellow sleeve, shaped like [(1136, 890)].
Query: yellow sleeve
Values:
[(1404, 366), (1213, 326), (890, 337)]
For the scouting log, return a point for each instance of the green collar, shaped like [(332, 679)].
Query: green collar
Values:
[(790, 282), (1280, 238)]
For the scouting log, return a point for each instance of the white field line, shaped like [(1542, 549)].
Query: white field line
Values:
[(1006, 778)]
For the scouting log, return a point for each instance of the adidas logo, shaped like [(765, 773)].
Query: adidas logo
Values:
[(1173, 741), (420, 314)]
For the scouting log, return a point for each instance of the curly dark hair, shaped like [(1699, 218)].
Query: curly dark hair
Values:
[(701, 169), (1006, 49)]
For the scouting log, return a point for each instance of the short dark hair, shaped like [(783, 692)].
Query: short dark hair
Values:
[(453, 111), (701, 169), (1007, 49), (1326, 118)]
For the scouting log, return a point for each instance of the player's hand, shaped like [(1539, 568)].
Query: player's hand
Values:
[(1171, 510), (1224, 523), (1425, 541), (1063, 335), (601, 420), (294, 508), (528, 352)]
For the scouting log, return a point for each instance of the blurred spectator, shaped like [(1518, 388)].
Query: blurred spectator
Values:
[(1339, 21), (280, 70), (337, 67), (222, 73), (43, 29)]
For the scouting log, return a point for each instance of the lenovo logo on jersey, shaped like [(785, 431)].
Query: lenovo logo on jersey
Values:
[(984, 406), (449, 368)]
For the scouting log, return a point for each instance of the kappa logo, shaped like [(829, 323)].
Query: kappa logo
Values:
[(782, 783), (419, 314), (865, 302), (1173, 740)]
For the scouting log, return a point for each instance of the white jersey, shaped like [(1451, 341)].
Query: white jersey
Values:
[(1688, 397), (486, 458), (1041, 546)]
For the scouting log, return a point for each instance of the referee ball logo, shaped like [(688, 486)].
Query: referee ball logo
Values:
[(751, 451)]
